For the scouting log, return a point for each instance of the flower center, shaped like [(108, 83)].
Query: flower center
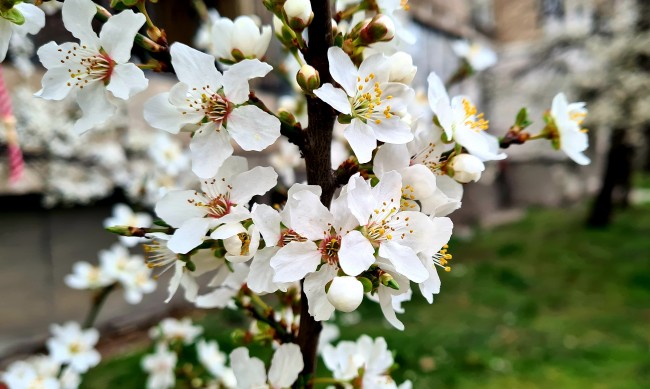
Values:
[(329, 248), (368, 105), (91, 66), (245, 243), (287, 236), (215, 106), (219, 206), (473, 119)]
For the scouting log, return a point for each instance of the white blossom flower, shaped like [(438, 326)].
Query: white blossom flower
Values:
[(479, 57), (235, 40), (223, 200), (243, 244), (97, 67), (286, 364), (399, 235), (130, 270), (212, 105), (74, 346), (168, 155), (87, 276), (461, 121), (35, 372), (568, 134), (160, 256), (160, 367), (373, 103), (123, 215), (32, 17), (211, 357), (172, 330), (466, 168), (371, 356)]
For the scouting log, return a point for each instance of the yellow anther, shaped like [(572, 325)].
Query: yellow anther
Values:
[(378, 121), (447, 269), (389, 236)]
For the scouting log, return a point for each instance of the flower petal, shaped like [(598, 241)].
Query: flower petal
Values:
[(55, 82), (295, 260), (310, 218), (178, 206), (254, 182), (195, 68), (342, 69), (116, 36), (189, 235), (362, 140), (260, 277), (314, 286), (209, 147), (268, 222), (252, 128), (405, 260), (285, 366), (391, 157), (235, 79), (96, 108), (34, 19), (77, 18), (127, 80), (356, 253), (250, 372), (335, 97)]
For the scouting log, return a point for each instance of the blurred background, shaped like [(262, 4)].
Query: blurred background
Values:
[(551, 277)]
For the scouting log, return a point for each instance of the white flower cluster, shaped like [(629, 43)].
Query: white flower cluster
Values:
[(71, 354), (117, 265)]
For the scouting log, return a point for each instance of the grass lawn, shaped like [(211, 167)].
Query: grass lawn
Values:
[(540, 303)]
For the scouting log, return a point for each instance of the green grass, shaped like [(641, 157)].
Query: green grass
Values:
[(542, 302)]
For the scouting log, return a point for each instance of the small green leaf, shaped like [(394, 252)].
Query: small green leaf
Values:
[(14, 16)]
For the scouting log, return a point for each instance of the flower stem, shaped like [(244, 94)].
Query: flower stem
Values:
[(98, 300)]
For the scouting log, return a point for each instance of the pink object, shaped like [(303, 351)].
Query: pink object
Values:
[(16, 161)]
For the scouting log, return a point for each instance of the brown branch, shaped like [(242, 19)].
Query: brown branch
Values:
[(317, 152)]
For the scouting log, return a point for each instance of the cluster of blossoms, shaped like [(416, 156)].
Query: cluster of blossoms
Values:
[(117, 265), (376, 226), (71, 354)]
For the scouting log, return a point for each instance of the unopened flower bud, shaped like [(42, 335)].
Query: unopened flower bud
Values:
[(380, 29), (466, 168), (401, 68), (345, 293), (308, 78), (299, 14)]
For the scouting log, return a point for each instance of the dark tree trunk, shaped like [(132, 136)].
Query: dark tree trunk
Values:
[(617, 176)]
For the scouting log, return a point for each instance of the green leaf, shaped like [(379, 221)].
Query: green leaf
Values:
[(522, 118), (14, 16)]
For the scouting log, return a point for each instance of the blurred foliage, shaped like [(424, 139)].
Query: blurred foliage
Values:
[(542, 302)]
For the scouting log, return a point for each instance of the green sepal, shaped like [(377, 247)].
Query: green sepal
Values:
[(522, 119), (367, 284), (14, 16)]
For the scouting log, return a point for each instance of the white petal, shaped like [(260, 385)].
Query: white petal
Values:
[(175, 281), (445, 117), (252, 128), (56, 85), (421, 179), (260, 278), (117, 34), (34, 19), (391, 157), (285, 366), (254, 182), (209, 147), (235, 79), (310, 218), (250, 372), (77, 18), (218, 298), (360, 199), (362, 140), (178, 206), (295, 260), (431, 285), (246, 34), (393, 130), (5, 36), (161, 114), (126, 80), (227, 230), (263, 42), (189, 235), (194, 68), (342, 69), (386, 304), (314, 286), (356, 253), (406, 262), (268, 222), (335, 97), (437, 93), (93, 101)]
